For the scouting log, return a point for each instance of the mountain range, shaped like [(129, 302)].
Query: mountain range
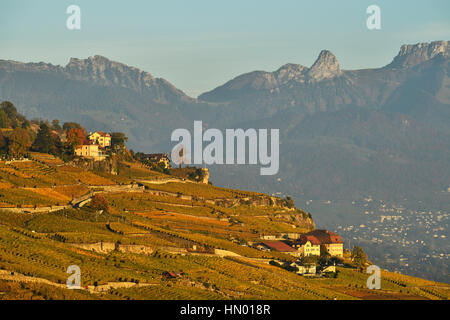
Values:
[(344, 134)]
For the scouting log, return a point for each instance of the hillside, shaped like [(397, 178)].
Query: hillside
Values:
[(409, 97), (155, 223), (345, 135)]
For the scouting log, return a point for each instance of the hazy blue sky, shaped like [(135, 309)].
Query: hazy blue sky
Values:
[(199, 44)]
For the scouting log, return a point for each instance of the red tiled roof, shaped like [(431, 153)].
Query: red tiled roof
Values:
[(86, 143), (278, 246), (325, 236), (102, 133), (305, 238)]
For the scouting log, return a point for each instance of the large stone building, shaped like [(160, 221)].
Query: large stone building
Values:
[(307, 245), (329, 242)]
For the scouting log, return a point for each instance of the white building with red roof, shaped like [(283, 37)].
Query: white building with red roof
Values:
[(101, 138), (280, 246), (90, 151), (307, 245), (329, 242)]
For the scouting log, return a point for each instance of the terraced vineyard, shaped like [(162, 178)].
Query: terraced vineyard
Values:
[(23, 197), (200, 190), (126, 248)]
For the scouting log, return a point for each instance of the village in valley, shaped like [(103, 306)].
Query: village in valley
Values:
[(401, 237)]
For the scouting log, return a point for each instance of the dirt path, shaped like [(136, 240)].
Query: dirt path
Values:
[(37, 209), (160, 181), (8, 276)]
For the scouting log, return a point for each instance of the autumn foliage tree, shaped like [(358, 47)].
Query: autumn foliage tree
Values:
[(76, 136), (9, 108), (3, 144), (56, 126), (19, 142), (70, 125), (359, 257), (99, 202), (8, 114), (118, 139), (5, 122)]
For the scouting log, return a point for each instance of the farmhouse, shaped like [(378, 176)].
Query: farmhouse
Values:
[(280, 246), (329, 269), (101, 138), (308, 268)]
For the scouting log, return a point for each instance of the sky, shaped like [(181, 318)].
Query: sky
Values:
[(198, 45)]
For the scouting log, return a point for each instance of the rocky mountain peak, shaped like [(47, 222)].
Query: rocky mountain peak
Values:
[(103, 71), (290, 71), (326, 66), (292, 67), (411, 55)]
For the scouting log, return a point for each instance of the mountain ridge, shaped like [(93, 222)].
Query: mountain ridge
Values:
[(104, 72), (326, 67), (411, 55), (382, 132), (148, 110)]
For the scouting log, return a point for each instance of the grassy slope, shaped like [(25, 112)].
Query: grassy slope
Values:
[(40, 245)]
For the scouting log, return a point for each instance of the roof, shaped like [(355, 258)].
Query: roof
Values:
[(101, 133), (325, 236), (278, 246), (305, 238), (86, 144)]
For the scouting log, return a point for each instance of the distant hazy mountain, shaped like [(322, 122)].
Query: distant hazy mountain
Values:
[(344, 133), (99, 93), (415, 83), (347, 134)]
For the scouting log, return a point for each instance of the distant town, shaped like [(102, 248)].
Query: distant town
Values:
[(398, 237)]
